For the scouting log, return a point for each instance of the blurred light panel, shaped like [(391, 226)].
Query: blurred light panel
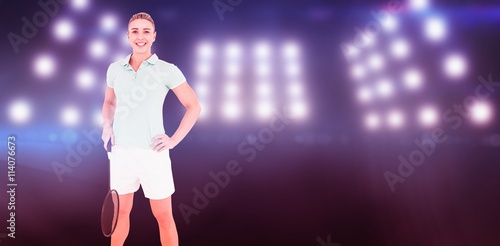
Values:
[(231, 110), (372, 121), (364, 94), (97, 49), (292, 69), (291, 51), (395, 119), (389, 23), (19, 111), (376, 62), (233, 69), (232, 89), (481, 113), (264, 89), (264, 110), (400, 48), (262, 50), (64, 30), (205, 50), (234, 51), (295, 89), (70, 116), (263, 69), (80, 4), (298, 109), (412, 79), (108, 22), (358, 71), (44, 66), (455, 66), (434, 29), (85, 79), (428, 116), (203, 69), (351, 52), (419, 4), (385, 88), (98, 120), (201, 89)]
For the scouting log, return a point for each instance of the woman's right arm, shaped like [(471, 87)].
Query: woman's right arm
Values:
[(108, 113)]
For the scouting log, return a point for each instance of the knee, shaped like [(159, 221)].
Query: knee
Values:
[(125, 209), (164, 218)]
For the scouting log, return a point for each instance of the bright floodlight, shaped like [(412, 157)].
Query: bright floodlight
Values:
[(389, 23), (44, 65), (233, 69), (358, 71), (395, 119), (263, 69), (232, 89), (97, 48), (372, 121), (385, 88), (264, 89), (85, 79), (419, 4), (205, 50), (231, 110), (19, 111), (428, 116), (98, 120), (233, 51), (108, 22), (435, 29), (400, 48), (264, 110), (481, 112), (70, 116), (291, 51), (295, 89), (79, 4), (203, 69), (455, 65), (350, 51), (298, 109), (376, 61), (262, 50), (64, 30), (364, 94), (201, 89), (292, 69), (412, 79)]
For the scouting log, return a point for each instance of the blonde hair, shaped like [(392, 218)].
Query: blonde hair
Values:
[(144, 16)]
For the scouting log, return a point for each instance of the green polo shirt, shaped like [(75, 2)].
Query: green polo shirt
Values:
[(139, 99)]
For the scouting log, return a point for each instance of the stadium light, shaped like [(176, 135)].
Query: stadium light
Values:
[(19, 111), (44, 65)]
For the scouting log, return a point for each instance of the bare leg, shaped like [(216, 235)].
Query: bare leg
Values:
[(122, 228), (162, 210)]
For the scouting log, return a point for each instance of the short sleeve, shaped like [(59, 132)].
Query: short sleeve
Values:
[(175, 77), (111, 76)]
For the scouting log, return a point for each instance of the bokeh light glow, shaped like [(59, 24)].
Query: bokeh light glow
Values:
[(70, 116), (455, 65), (435, 29), (64, 30), (19, 111), (44, 65)]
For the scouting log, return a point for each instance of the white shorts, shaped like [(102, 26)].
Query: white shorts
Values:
[(131, 167)]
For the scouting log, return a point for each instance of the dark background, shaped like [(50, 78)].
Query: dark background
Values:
[(321, 177)]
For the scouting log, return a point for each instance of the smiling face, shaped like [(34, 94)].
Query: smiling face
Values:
[(141, 35)]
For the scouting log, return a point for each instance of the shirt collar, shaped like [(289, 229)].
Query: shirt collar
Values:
[(152, 60)]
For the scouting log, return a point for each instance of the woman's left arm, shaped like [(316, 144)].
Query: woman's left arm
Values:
[(187, 97)]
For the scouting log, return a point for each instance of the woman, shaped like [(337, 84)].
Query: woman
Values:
[(133, 122)]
